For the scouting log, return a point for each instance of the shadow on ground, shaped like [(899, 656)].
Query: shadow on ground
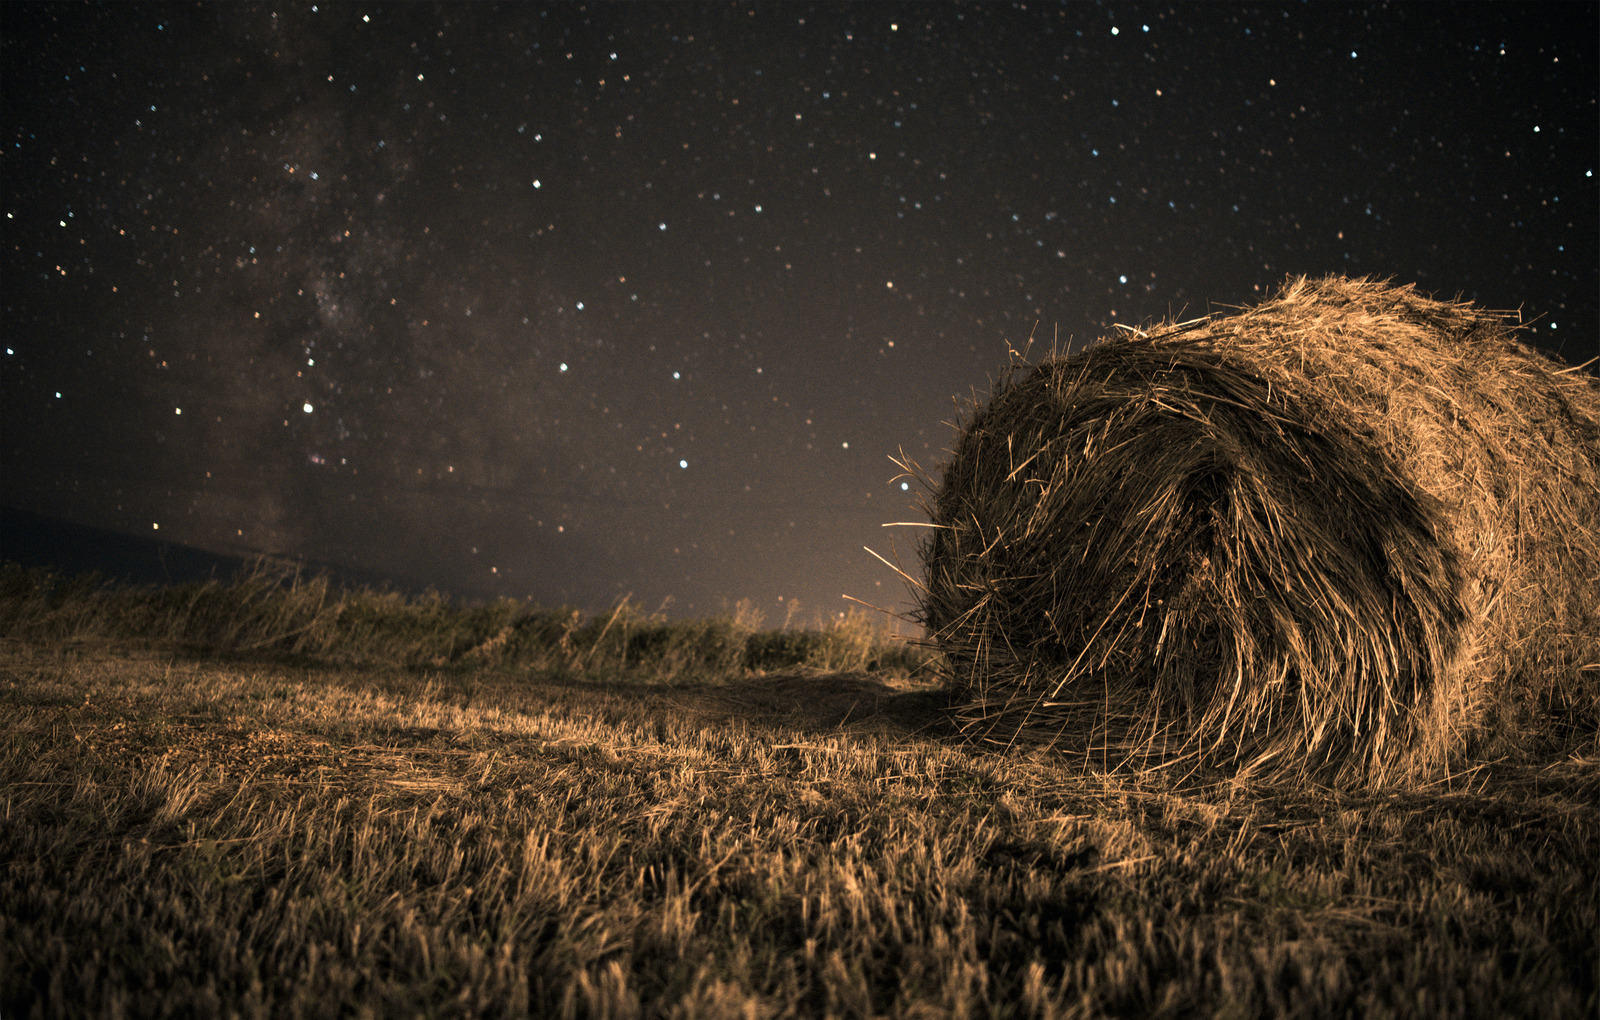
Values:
[(852, 702)]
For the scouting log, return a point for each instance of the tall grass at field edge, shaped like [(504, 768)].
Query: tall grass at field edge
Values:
[(278, 611)]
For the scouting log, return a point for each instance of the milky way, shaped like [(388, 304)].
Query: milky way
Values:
[(582, 302)]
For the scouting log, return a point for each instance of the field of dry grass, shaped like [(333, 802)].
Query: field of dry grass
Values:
[(193, 832)]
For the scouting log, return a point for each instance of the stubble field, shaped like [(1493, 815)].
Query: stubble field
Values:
[(210, 829)]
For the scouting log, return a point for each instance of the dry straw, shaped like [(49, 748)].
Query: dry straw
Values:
[(1349, 533)]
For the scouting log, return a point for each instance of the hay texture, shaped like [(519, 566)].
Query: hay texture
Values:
[(1343, 533)]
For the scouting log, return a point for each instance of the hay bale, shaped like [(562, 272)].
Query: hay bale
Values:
[(1344, 533)]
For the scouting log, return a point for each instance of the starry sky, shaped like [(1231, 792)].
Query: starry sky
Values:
[(582, 301)]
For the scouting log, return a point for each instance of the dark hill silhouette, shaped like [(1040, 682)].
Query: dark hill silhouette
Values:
[(71, 549)]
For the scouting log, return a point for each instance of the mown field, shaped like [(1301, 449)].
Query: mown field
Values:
[(272, 799)]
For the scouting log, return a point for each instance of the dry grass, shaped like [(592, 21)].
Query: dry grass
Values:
[(1348, 533), (276, 610), (187, 837)]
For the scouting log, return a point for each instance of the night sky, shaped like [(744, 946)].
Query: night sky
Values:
[(574, 302)]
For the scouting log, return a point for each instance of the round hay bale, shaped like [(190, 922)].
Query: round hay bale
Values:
[(1349, 532)]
